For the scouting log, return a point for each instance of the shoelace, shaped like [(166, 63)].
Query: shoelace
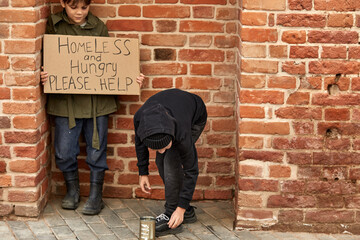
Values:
[(162, 217)]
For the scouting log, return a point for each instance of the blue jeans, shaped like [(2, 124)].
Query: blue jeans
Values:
[(67, 143)]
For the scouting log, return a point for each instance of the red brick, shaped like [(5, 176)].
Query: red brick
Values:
[(265, 4), (301, 20), (335, 52), (330, 201), (340, 20), (259, 66), (225, 70), (299, 113), (23, 63), (164, 69), (292, 186), (337, 114), (225, 181), (130, 25), (256, 214), (291, 201), (304, 52), (330, 216), (203, 12), (259, 35), (23, 196), (200, 69), (252, 81), (220, 111), (163, 40), (6, 209), (229, 13), (126, 152), (200, 41), (24, 94), (219, 139), (278, 51), (223, 125), (201, 55), (201, 26), (259, 96), (13, 16), (354, 52), (336, 5), (223, 97), (303, 128), (294, 67), (225, 41), (255, 51), (226, 152), (129, 11), (294, 37), (4, 62), (165, 25), (208, 83), (251, 142), (118, 192), (266, 156), (32, 166), (300, 4), (249, 200), (166, 11), (253, 18), (298, 143), (258, 185), (251, 112), (250, 170), (218, 194), (5, 180), (158, 194), (291, 215), (282, 82), (277, 171), (336, 37), (162, 82), (264, 127), (22, 137), (299, 98), (21, 79)]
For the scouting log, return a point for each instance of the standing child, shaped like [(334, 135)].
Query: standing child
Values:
[(170, 122), (74, 114)]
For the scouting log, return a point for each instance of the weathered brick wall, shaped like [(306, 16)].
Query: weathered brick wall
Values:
[(184, 44), (298, 129), (24, 157)]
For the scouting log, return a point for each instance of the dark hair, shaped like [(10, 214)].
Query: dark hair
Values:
[(75, 2)]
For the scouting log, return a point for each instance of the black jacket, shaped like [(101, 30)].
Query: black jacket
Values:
[(174, 112)]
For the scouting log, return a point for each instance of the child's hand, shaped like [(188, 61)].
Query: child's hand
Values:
[(43, 76), (140, 79)]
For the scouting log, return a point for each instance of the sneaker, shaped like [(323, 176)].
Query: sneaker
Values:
[(190, 216), (162, 228)]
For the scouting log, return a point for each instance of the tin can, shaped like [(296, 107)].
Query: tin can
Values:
[(147, 228)]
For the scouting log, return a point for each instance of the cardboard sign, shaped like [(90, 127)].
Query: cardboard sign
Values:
[(91, 65)]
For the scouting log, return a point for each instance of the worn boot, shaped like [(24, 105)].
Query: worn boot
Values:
[(94, 204), (72, 197)]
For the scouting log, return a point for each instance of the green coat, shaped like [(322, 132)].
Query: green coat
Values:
[(79, 105)]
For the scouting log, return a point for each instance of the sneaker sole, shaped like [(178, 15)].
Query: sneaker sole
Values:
[(190, 220), (177, 230)]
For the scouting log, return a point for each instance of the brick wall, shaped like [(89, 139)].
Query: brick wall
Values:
[(24, 136), (183, 44), (298, 115)]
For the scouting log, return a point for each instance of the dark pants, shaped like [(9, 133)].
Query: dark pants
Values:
[(67, 143), (171, 171)]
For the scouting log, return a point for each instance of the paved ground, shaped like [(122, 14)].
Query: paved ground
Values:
[(120, 220)]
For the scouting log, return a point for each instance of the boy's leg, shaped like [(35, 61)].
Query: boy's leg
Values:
[(66, 145), (171, 172), (96, 159)]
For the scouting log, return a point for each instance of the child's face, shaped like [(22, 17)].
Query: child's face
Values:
[(77, 13)]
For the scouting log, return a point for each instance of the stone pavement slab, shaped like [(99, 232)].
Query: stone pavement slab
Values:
[(120, 220)]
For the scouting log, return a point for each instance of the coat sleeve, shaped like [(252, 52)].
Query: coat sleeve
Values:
[(142, 152)]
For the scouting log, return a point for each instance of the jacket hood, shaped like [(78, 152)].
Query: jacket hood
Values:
[(156, 119)]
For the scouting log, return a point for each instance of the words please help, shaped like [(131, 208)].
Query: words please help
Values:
[(91, 65)]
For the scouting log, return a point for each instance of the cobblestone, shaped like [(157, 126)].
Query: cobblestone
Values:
[(120, 220)]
